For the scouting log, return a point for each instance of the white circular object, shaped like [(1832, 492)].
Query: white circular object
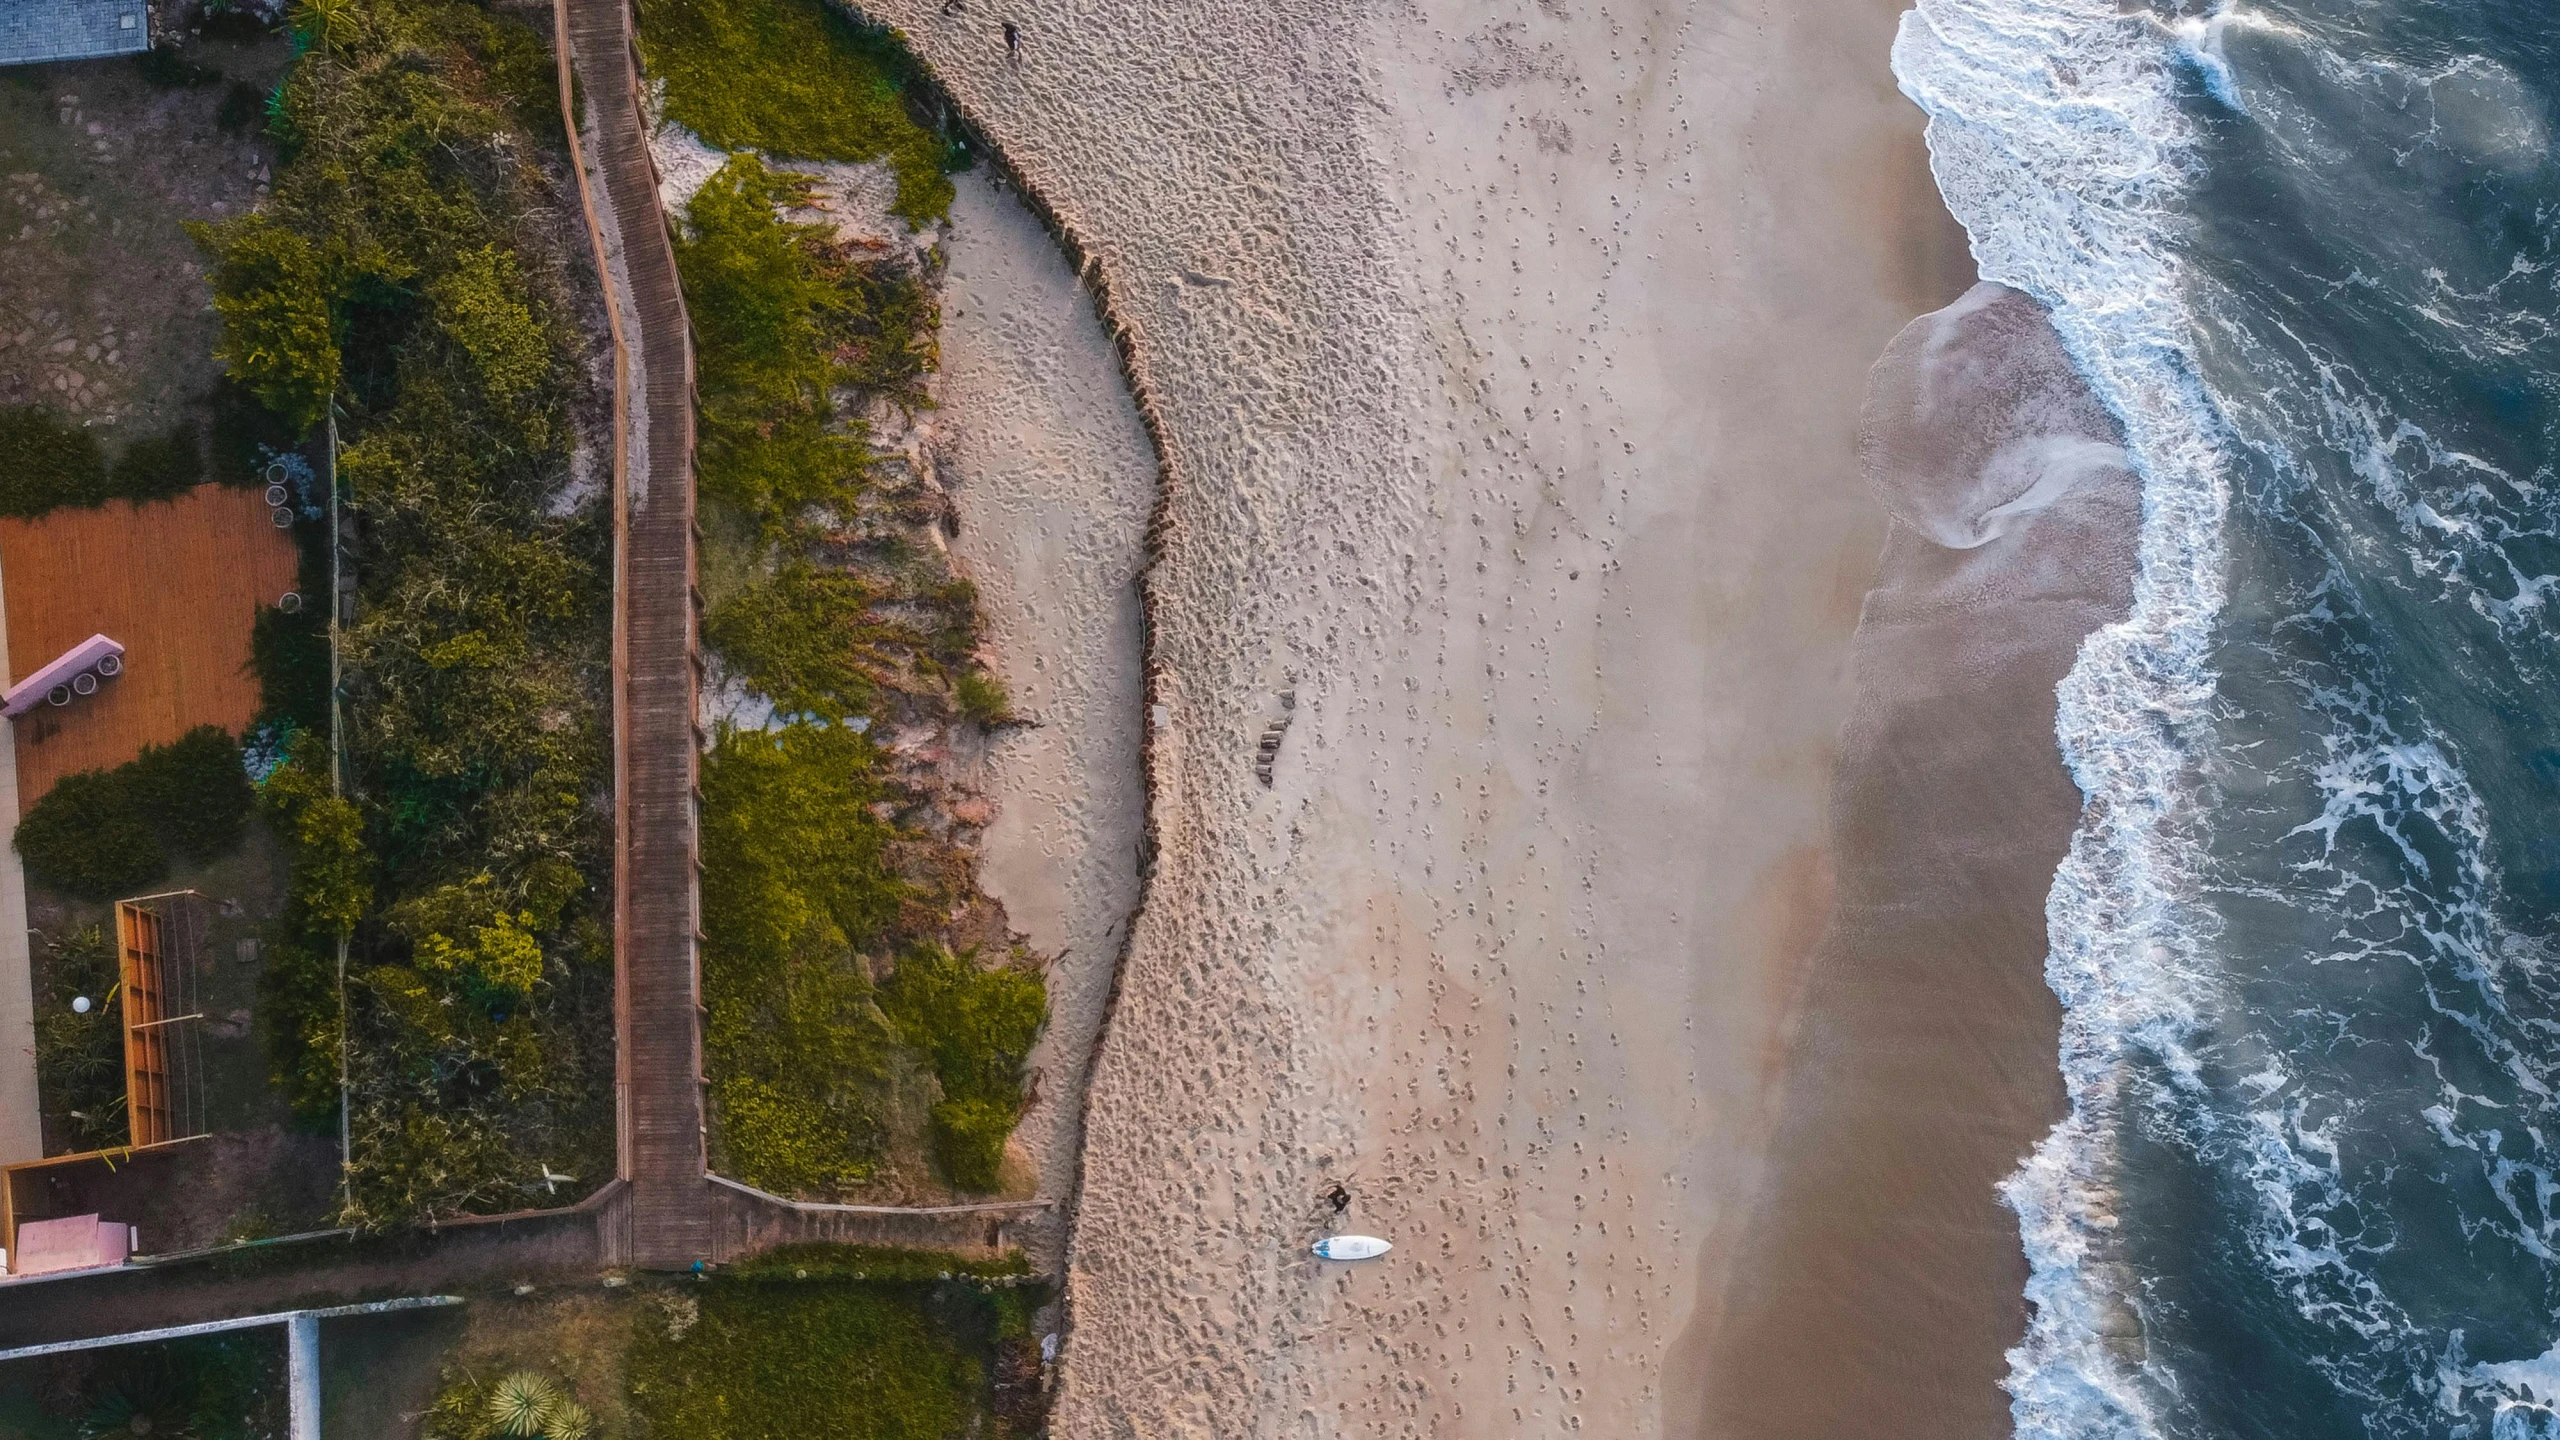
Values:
[(290, 602), (278, 496), (58, 695), (283, 518), (84, 683), (111, 666), (80, 1005)]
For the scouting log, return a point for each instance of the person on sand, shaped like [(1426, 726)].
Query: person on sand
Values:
[(1339, 1198), (1012, 42)]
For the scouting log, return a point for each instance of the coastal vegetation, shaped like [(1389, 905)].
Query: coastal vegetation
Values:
[(798, 78), (833, 989), (399, 279), (836, 970), (843, 1344)]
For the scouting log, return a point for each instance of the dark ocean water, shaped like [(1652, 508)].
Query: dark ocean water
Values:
[(2308, 938)]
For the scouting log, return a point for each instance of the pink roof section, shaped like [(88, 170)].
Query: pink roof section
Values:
[(76, 1242), (30, 692)]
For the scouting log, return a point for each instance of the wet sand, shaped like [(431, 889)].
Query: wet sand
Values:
[(1880, 1275), (1508, 362)]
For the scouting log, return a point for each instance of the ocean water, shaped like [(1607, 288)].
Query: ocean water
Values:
[(2307, 938)]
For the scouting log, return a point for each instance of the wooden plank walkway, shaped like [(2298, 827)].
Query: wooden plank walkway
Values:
[(657, 819)]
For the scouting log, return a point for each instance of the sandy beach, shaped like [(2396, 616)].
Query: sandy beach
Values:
[(1509, 366)]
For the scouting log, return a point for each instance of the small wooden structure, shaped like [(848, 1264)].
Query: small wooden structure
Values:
[(160, 943), (160, 950)]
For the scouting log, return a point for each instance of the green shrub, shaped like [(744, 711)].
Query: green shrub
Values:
[(796, 78), (980, 696), (101, 834), (769, 315), (278, 337), (799, 639), (794, 875), (195, 791), (975, 1026), (45, 462), (290, 655), (87, 838), (968, 1140)]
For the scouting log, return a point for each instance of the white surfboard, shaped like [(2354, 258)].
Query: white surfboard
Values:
[(1351, 1247)]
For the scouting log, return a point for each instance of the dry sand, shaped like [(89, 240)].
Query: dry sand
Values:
[(1053, 480), (1509, 361)]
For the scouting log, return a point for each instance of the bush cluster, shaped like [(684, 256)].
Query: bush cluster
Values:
[(517, 1405), (396, 272), (797, 78), (816, 1361), (103, 834)]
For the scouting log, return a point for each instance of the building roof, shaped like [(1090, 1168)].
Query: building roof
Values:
[(35, 31)]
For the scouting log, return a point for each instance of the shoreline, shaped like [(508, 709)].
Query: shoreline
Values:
[(1924, 1061)]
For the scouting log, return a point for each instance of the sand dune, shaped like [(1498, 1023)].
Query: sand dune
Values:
[(1509, 360)]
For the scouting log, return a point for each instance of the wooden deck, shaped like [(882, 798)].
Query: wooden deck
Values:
[(658, 1011), (180, 582)]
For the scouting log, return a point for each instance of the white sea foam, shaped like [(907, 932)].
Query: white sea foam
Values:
[(2057, 141)]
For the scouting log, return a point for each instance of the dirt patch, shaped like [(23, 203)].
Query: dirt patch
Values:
[(104, 309)]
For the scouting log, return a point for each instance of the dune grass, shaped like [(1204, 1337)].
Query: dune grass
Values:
[(796, 78)]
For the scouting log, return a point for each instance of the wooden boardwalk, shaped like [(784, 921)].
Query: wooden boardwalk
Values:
[(657, 819)]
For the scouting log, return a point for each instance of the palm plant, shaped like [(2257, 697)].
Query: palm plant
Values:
[(525, 1404)]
